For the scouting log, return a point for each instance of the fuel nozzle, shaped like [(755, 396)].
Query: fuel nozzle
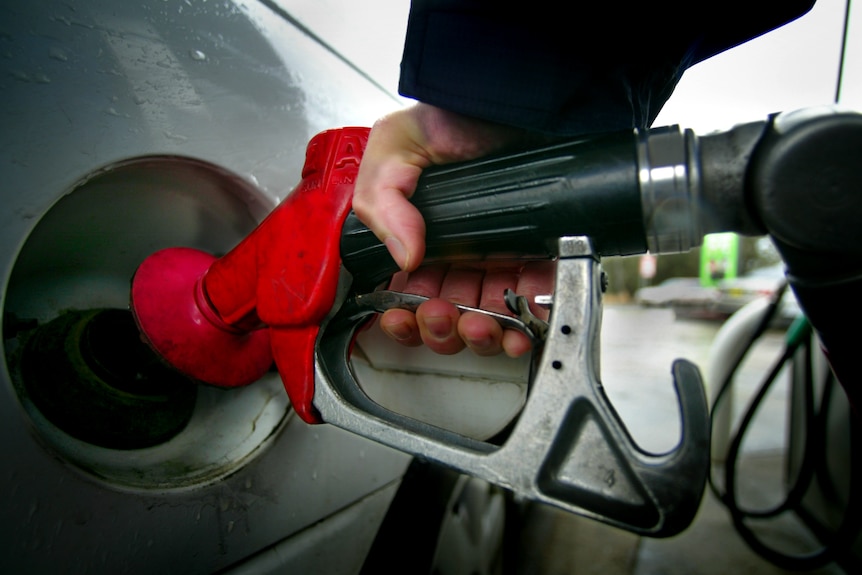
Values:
[(224, 320), (178, 320)]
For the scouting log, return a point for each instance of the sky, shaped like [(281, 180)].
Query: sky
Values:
[(792, 67)]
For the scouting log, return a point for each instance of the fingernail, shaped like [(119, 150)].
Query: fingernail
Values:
[(399, 331), (481, 344), (397, 251), (439, 327)]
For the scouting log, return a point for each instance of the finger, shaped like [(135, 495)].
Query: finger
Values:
[(398, 281), (401, 145), (481, 333), (400, 325), (497, 281), (390, 167), (438, 318), (537, 278), (426, 281), (438, 321), (399, 225), (462, 285)]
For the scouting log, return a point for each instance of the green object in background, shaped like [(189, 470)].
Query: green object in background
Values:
[(719, 258)]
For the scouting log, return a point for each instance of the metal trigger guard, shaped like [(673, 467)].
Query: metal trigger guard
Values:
[(568, 447)]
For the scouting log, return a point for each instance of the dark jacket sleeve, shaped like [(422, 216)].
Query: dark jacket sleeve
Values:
[(566, 68)]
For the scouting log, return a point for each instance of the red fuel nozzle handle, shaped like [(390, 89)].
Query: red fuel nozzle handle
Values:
[(223, 321)]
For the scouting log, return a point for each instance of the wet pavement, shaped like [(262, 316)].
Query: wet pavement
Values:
[(638, 348), (639, 345)]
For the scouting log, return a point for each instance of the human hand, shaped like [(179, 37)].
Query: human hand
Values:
[(399, 147), (439, 324)]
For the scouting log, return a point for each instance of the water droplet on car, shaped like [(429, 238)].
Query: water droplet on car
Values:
[(58, 54)]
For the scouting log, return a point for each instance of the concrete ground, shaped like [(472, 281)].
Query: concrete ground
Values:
[(638, 346), (559, 543)]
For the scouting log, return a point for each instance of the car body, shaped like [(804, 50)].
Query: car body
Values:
[(128, 127), (761, 282), (764, 282), (676, 291), (689, 299), (686, 296)]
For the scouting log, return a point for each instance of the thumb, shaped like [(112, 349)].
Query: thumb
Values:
[(388, 173), (398, 224)]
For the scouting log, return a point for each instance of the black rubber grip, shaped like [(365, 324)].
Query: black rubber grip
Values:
[(516, 206)]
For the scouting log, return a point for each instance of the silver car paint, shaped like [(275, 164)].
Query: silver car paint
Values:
[(85, 85)]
